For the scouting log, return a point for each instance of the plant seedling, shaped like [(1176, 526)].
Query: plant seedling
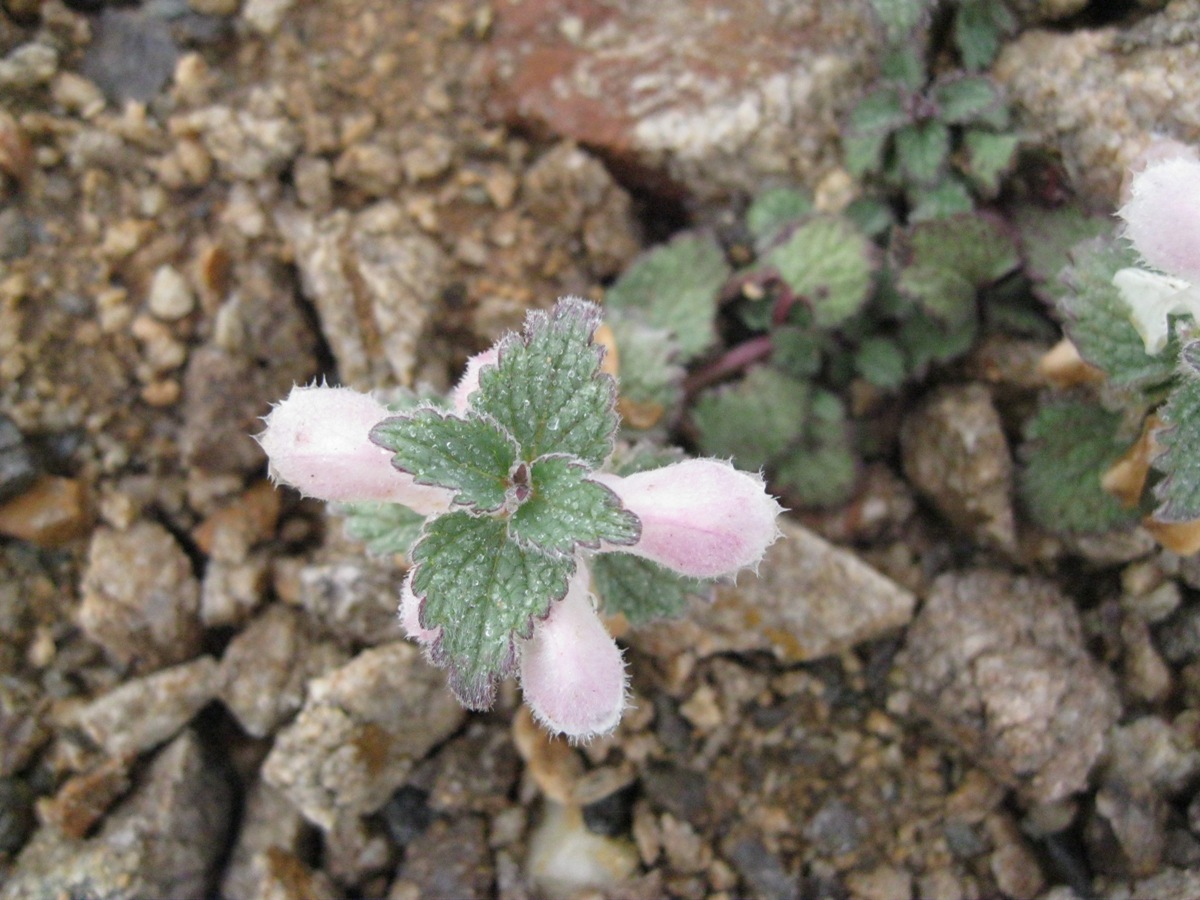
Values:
[(518, 508)]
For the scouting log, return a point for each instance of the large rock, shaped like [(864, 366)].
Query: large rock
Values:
[(809, 599), (375, 281), (144, 712), (956, 454), (1098, 96), (140, 599), (163, 841), (360, 731), (266, 668), (997, 663), (708, 96)]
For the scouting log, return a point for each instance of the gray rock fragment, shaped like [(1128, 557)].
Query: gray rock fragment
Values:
[(375, 281), (1098, 96), (957, 456), (360, 731), (163, 841), (17, 468), (272, 833), (428, 871), (132, 55), (140, 599), (267, 666), (144, 712), (809, 599), (997, 663), (23, 725), (354, 597)]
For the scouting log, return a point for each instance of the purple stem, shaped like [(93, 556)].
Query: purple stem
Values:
[(734, 360)]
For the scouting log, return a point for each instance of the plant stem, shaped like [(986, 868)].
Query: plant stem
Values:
[(734, 360)]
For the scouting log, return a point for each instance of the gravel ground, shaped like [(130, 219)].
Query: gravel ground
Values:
[(203, 687)]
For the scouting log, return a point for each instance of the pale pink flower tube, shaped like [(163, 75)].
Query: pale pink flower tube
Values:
[(1162, 217), (460, 397), (700, 517), (318, 441), (572, 672), (410, 616)]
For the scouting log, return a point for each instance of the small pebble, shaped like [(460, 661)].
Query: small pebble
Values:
[(51, 513), (170, 297)]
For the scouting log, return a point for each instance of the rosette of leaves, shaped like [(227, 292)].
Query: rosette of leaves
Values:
[(938, 140), (518, 459)]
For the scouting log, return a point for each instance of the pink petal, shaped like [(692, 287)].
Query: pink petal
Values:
[(410, 617), (701, 517), (572, 673), (317, 440), (469, 382), (1162, 217)]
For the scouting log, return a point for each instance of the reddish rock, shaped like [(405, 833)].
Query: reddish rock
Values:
[(705, 96)]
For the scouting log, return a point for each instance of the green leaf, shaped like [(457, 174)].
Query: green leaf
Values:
[(1179, 461), (828, 263), (641, 589), (564, 509), (948, 198), (901, 17), (821, 470), (676, 286), (547, 390), (864, 153), (881, 362), (870, 215), (880, 112), (1069, 445), (773, 209), (402, 400), (482, 589), (797, 351), (989, 157), (649, 372), (927, 341), (904, 64), (979, 27), (1047, 237), (1096, 317), (469, 455), (753, 420), (922, 149), (943, 262), (642, 457), (385, 528), (965, 98)]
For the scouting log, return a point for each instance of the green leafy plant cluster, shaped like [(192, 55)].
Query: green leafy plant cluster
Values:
[(933, 134), (1077, 436), (816, 310)]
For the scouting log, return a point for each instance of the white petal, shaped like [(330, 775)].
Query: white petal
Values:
[(1152, 298)]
